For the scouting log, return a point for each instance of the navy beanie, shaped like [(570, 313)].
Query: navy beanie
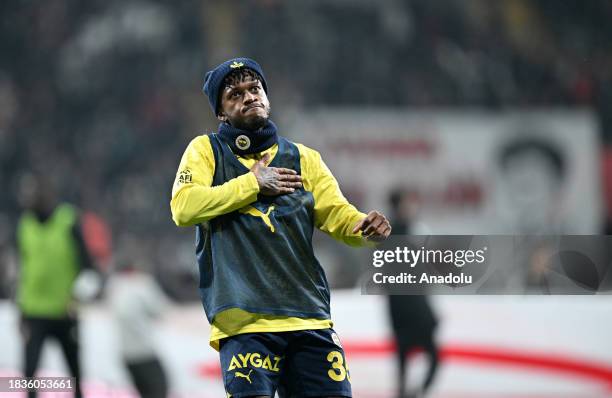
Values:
[(213, 79)]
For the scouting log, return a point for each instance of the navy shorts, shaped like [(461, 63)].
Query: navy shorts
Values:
[(305, 363)]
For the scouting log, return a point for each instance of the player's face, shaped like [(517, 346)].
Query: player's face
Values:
[(245, 105)]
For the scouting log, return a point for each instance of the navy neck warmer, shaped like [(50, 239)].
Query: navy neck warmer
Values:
[(244, 142)]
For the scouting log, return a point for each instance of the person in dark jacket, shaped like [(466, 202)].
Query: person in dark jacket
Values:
[(412, 319)]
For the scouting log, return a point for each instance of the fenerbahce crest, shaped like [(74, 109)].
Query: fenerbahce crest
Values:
[(242, 142)]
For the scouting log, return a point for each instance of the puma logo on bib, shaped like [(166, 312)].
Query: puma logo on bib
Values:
[(250, 210), (247, 376)]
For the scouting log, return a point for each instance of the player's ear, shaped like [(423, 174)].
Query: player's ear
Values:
[(221, 116)]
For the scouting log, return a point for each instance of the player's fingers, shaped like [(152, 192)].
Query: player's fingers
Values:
[(283, 190), (372, 216), (290, 177), (382, 230), (380, 234), (363, 224), (359, 225), (369, 230), (282, 170), (289, 184), (378, 231), (278, 190), (293, 184), (265, 159), (374, 225)]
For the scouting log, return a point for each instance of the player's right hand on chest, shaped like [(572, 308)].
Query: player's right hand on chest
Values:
[(275, 180)]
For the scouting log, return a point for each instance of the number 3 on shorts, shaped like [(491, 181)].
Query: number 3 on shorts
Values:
[(339, 370)]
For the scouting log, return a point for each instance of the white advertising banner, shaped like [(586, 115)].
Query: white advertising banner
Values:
[(474, 172)]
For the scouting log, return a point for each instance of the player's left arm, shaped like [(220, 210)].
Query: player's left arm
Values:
[(333, 212)]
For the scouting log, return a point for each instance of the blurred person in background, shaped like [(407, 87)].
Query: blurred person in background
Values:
[(255, 199), (533, 172), (136, 301), (412, 319), (52, 253)]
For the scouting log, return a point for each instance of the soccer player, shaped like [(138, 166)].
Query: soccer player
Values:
[(255, 198)]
